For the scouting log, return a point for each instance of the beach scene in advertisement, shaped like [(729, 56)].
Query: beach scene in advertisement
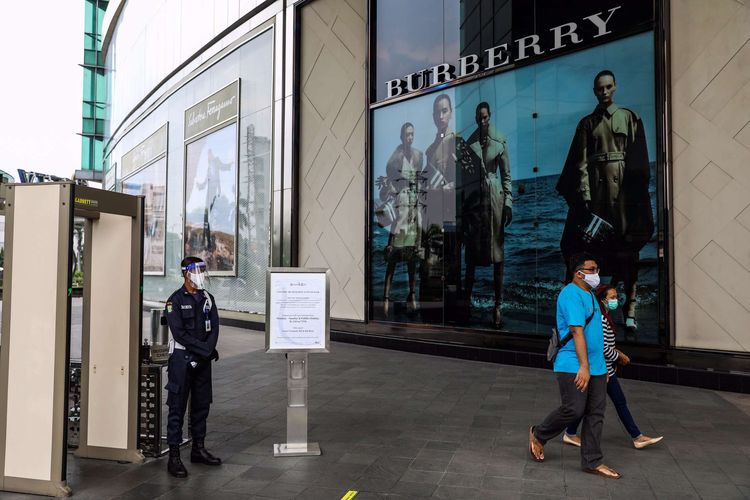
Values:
[(491, 255)]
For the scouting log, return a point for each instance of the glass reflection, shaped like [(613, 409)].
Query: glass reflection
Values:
[(487, 205), (211, 198), (151, 183), (401, 212), (243, 204), (500, 205), (414, 36)]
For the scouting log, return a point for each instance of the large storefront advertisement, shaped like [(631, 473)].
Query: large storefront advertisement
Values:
[(145, 173), (482, 190), (211, 181)]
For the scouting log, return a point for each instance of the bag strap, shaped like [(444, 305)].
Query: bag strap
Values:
[(593, 311), (569, 335)]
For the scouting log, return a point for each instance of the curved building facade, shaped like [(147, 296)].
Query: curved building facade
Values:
[(443, 159), (191, 128)]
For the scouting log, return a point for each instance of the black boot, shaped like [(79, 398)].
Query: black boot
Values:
[(175, 466), (200, 455)]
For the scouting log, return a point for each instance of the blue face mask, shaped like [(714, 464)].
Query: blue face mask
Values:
[(612, 304)]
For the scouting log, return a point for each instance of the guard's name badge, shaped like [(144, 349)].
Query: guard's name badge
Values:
[(208, 325)]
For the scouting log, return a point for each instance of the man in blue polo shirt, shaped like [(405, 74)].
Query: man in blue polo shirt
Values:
[(580, 369)]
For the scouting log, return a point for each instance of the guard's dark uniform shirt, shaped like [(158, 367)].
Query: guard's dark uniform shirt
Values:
[(188, 317)]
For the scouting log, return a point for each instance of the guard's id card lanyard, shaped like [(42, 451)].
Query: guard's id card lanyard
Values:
[(207, 311)]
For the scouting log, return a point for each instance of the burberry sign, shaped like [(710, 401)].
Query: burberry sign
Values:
[(562, 36)]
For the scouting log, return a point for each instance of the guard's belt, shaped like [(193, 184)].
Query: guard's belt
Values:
[(607, 157)]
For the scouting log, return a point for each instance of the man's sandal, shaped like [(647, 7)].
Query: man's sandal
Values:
[(604, 471), (537, 457)]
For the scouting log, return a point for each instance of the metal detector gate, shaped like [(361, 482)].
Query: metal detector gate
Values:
[(34, 348)]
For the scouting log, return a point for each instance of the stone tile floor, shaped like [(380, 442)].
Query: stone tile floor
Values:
[(402, 425)]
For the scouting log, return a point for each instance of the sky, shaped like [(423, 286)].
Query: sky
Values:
[(41, 46)]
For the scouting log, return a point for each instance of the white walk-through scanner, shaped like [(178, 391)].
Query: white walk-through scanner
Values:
[(34, 347)]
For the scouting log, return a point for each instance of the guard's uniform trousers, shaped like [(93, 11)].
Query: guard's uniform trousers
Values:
[(194, 324)]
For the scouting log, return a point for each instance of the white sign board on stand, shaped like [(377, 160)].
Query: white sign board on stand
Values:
[(297, 314), (297, 323)]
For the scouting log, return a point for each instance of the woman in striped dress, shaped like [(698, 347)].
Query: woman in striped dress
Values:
[(607, 296)]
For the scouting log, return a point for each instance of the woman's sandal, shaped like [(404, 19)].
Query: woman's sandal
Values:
[(604, 471)]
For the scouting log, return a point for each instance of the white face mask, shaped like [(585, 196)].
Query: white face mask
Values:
[(197, 279), (591, 280)]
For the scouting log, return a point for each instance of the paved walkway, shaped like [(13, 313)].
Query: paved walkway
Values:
[(401, 425)]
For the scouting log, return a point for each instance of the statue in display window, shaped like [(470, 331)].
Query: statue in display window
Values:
[(605, 183), (399, 193), (486, 207)]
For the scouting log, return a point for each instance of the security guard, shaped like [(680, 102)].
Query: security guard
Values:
[(194, 325)]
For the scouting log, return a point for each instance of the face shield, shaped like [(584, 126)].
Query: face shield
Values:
[(197, 274)]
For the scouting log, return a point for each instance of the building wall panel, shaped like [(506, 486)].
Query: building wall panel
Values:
[(332, 148), (711, 178)]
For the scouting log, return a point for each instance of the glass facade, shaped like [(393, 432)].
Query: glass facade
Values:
[(218, 183), (152, 39), (486, 159), (518, 30), (211, 199), (481, 191), (151, 183), (94, 87)]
